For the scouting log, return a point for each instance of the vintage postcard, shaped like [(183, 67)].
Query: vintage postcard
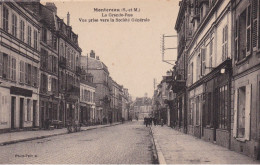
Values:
[(129, 82)]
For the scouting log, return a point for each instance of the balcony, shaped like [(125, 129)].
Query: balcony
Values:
[(78, 70), (62, 62)]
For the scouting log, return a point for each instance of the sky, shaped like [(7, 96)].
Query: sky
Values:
[(131, 50)]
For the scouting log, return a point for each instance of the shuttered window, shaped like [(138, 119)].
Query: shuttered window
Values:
[(5, 18), (254, 29), (225, 43), (14, 25), (248, 30), (203, 61)]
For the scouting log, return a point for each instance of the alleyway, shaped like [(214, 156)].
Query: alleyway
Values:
[(129, 143), (179, 148)]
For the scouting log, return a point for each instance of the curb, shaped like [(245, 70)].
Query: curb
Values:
[(160, 156), (46, 136)]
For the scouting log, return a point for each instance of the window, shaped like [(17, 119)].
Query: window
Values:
[(5, 66), (54, 42), (241, 112), (224, 43), (35, 39), (35, 76), (203, 60), (243, 34), (22, 30), (190, 118), (13, 75), (54, 65), (50, 63), (210, 52), (254, 25), (242, 108), (29, 39), (14, 25), (26, 73), (44, 59), (44, 35), (198, 67), (22, 74), (223, 107), (29, 82), (5, 18), (1, 64)]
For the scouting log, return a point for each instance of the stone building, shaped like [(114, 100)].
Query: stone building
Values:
[(49, 96), (100, 78), (245, 109), (19, 67), (207, 71), (87, 99), (69, 70)]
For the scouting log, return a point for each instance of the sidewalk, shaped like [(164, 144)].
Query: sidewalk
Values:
[(174, 147), (15, 137)]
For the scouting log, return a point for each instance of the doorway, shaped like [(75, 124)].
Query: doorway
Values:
[(13, 107), (34, 113), (21, 112)]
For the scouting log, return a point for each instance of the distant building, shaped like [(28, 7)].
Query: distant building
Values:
[(100, 74), (87, 114)]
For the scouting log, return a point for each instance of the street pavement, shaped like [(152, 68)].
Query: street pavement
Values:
[(179, 148), (14, 137), (129, 143)]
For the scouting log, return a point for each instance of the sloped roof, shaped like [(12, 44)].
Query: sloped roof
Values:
[(96, 64)]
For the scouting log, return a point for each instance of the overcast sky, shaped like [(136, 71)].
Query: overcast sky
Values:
[(132, 51)]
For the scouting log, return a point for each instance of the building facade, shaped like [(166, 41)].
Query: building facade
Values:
[(100, 78), (19, 68), (245, 110), (87, 100), (69, 70)]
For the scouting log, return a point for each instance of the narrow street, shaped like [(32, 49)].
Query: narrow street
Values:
[(128, 143)]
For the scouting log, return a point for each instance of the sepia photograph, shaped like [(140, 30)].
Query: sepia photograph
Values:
[(129, 81)]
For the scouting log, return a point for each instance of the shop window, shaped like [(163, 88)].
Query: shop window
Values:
[(223, 107)]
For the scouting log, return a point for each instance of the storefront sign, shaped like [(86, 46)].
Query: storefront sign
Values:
[(20, 91)]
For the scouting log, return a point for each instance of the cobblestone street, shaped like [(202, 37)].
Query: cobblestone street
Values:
[(129, 143)]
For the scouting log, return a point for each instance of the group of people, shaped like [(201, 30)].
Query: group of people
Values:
[(148, 121)]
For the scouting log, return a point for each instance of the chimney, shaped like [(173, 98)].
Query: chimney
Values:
[(92, 54), (68, 19), (97, 57), (52, 7)]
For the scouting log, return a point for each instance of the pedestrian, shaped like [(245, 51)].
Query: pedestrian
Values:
[(110, 121), (162, 122)]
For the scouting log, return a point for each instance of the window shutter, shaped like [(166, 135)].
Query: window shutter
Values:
[(247, 111), (1, 64), (248, 31), (25, 110), (235, 114), (237, 33), (203, 59), (14, 69), (26, 72), (254, 29), (9, 66)]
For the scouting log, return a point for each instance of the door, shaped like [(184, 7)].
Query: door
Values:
[(34, 113), (21, 112), (13, 102)]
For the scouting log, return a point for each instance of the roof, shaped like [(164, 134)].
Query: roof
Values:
[(96, 64)]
